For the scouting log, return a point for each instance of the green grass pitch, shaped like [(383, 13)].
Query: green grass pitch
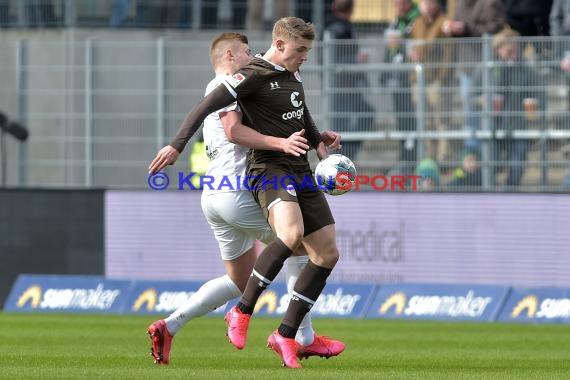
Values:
[(71, 346)]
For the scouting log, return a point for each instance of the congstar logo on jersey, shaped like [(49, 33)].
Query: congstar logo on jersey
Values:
[(297, 114)]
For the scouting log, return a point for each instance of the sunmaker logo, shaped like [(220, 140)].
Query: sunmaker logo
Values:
[(548, 308), (339, 302), (33, 295), (146, 299), (68, 298), (469, 305), (164, 301), (528, 305)]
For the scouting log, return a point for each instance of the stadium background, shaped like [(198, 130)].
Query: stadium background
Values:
[(99, 101)]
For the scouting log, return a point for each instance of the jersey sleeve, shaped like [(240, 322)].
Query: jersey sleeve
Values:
[(243, 83), (311, 130), (232, 107), (220, 97)]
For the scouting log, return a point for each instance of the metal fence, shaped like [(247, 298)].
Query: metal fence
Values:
[(98, 108), (369, 15), (175, 14)]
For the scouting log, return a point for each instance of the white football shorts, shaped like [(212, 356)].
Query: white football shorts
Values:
[(237, 222)]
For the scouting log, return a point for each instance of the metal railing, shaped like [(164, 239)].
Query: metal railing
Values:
[(171, 14), (99, 107)]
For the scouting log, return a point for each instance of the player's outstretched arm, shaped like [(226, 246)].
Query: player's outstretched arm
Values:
[(215, 100), (168, 155), (237, 133)]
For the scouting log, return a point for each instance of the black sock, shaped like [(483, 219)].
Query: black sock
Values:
[(308, 288), (266, 268)]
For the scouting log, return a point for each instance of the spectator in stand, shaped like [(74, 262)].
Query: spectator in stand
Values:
[(119, 13), (469, 174), (406, 13), (4, 13), (152, 14), (472, 18), (560, 18), (430, 173), (210, 14), (428, 48), (518, 101), (355, 114), (528, 17), (398, 82), (560, 31), (39, 13)]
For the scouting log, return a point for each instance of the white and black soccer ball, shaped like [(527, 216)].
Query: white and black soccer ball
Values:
[(335, 174)]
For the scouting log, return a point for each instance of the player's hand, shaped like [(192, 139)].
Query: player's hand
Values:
[(166, 156), (296, 144), (331, 140), (322, 151)]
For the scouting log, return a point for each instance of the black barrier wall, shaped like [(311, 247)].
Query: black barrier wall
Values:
[(50, 231)]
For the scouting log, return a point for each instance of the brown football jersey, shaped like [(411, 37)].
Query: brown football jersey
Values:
[(272, 100)]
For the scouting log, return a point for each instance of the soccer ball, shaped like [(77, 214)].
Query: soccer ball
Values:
[(335, 174)]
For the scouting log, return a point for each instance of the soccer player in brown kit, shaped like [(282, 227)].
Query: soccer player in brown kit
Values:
[(270, 93), (233, 214)]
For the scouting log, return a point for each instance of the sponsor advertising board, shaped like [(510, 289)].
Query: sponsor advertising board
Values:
[(442, 302), (537, 305), (93, 294)]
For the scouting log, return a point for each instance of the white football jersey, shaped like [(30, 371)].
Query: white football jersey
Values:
[(227, 160)]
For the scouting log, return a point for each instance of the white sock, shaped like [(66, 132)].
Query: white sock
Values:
[(295, 264), (209, 297)]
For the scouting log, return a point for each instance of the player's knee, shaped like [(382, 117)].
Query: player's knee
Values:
[(332, 257), (330, 253), (291, 238), (326, 257)]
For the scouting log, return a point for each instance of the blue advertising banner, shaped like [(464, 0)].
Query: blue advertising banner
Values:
[(88, 294), (162, 297), (441, 302), (537, 305), (94, 294), (338, 300), (34, 293)]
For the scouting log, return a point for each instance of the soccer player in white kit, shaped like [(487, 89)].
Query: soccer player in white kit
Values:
[(234, 216)]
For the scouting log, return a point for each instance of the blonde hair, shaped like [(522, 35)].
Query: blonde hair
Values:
[(504, 36), (293, 28), (222, 42)]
